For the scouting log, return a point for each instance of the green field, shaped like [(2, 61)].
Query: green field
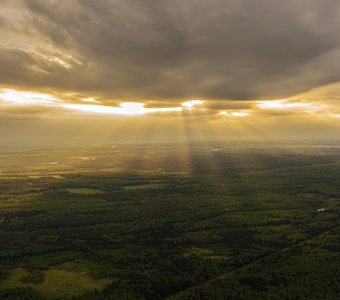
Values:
[(84, 191), (56, 283), (244, 222)]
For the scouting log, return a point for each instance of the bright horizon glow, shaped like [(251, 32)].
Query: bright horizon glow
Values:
[(91, 106), (101, 109), (190, 104), (27, 98), (125, 108), (234, 114), (40, 99), (282, 104)]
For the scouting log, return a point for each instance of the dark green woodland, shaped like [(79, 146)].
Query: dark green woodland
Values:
[(173, 222)]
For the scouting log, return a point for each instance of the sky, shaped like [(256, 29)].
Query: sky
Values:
[(115, 71)]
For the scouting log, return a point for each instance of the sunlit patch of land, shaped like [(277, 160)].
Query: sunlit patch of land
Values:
[(55, 283)]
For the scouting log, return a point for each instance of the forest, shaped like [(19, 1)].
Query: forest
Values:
[(175, 222)]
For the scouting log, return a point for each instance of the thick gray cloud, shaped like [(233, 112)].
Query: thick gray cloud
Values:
[(173, 49)]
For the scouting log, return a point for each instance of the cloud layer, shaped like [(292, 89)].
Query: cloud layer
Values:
[(168, 70), (174, 49)]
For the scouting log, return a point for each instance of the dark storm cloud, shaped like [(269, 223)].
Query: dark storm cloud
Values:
[(174, 49)]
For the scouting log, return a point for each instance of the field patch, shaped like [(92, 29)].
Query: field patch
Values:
[(61, 283), (144, 186), (84, 191), (56, 284)]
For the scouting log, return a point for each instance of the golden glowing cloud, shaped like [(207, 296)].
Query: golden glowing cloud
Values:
[(192, 103), (284, 104), (12, 97), (91, 99), (234, 114), (125, 108), (27, 98)]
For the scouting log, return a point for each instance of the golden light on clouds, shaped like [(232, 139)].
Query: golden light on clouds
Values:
[(93, 61), (27, 98), (234, 114), (90, 99), (108, 110), (200, 118), (89, 105), (284, 104), (125, 109), (192, 103), (21, 98)]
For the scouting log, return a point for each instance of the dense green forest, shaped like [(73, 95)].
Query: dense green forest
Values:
[(170, 222)]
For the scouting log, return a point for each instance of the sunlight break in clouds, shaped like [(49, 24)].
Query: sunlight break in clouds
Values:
[(27, 98), (284, 104), (190, 104), (125, 108), (13, 97), (257, 63), (233, 114)]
